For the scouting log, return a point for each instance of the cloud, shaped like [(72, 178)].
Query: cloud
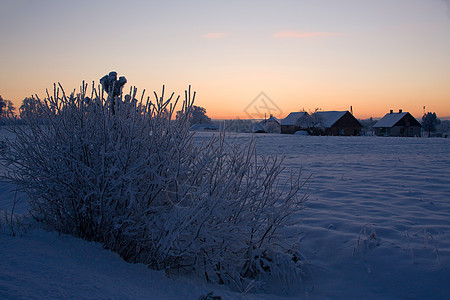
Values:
[(304, 34), (215, 35)]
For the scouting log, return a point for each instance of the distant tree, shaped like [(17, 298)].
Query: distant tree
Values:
[(305, 121), (430, 122), (2, 106), (239, 125), (444, 128), (197, 115), (31, 107), (10, 107), (367, 124), (312, 122), (6, 107), (318, 121)]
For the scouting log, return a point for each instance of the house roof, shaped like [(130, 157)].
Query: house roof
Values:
[(330, 117), (204, 127), (271, 119), (292, 118), (389, 120)]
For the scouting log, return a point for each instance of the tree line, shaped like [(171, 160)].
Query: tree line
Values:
[(29, 106), (197, 115)]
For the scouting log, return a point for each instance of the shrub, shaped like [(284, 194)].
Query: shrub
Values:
[(429, 122), (120, 171)]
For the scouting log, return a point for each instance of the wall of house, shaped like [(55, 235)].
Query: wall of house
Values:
[(347, 125), (396, 131), (272, 127), (289, 129), (379, 131), (347, 131), (352, 131), (411, 131)]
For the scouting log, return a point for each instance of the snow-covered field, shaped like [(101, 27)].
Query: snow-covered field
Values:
[(376, 226)]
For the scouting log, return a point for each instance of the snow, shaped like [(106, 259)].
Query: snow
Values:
[(389, 120), (271, 119), (376, 225), (330, 117), (292, 118), (203, 127)]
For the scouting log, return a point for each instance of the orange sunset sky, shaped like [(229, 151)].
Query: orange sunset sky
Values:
[(327, 54)]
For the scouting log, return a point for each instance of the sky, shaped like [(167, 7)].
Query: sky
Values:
[(244, 59)]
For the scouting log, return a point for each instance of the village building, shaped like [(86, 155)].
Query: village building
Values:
[(397, 124), (292, 122), (322, 123), (271, 125), (204, 127), (338, 123)]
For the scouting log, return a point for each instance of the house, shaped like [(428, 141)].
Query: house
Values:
[(271, 125), (293, 121), (322, 123), (337, 123), (397, 124)]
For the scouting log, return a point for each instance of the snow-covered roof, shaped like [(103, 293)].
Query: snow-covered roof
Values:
[(203, 127), (330, 117), (389, 120), (292, 118), (271, 119)]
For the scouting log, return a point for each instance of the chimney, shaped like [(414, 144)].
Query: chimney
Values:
[(392, 111), (400, 110)]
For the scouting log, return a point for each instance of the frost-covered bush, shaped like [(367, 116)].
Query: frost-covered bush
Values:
[(122, 172)]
